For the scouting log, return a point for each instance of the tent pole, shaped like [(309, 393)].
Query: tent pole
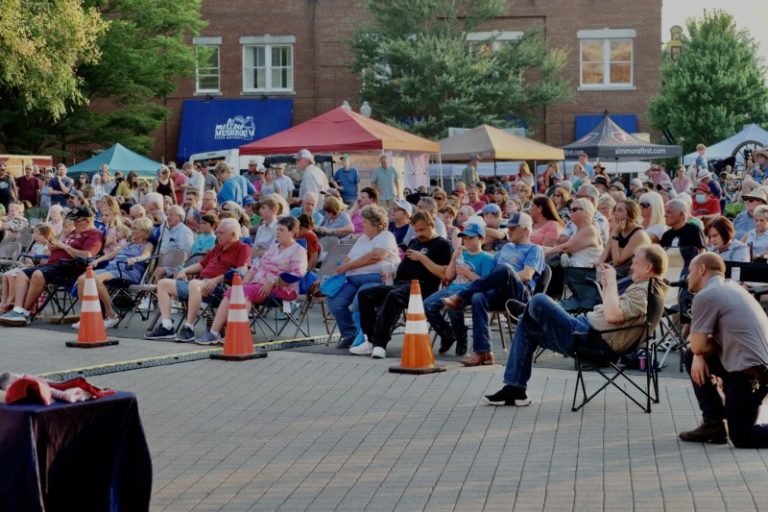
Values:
[(535, 177), (494, 167), (440, 167)]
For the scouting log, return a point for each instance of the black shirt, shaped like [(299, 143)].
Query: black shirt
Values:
[(6, 191), (438, 250), (689, 239)]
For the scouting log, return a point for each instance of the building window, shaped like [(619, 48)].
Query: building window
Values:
[(207, 64), (268, 64), (485, 43), (606, 58)]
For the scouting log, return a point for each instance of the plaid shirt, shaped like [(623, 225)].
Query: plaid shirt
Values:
[(634, 304)]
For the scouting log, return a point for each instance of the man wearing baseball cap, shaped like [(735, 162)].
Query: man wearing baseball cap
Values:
[(517, 266), (469, 175), (313, 179), (348, 180), (468, 263), (65, 263)]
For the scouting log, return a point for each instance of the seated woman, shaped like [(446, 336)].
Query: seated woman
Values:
[(652, 213), (336, 222), (547, 224), (400, 211), (585, 247), (269, 209), (626, 236), (562, 199), (374, 253), (263, 281), (720, 233), (757, 237), (43, 235), (127, 263)]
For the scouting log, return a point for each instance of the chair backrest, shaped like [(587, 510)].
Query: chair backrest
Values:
[(334, 255), (326, 242), (753, 272), (26, 239), (172, 258), (10, 250), (583, 287), (542, 284), (195, 258)]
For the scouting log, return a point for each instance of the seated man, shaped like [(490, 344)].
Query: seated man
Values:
[(469, 263), (65, 263), (426, 259), (729, 339), (546, 324), (514, 277), (175, 236), (228, 253)]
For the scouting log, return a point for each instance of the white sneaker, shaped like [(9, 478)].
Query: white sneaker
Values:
[(364, 349), (75, 325), (110, 322), (145, 304), (379, 353)]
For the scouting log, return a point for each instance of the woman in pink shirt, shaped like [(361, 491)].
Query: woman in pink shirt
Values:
[(547, 224)]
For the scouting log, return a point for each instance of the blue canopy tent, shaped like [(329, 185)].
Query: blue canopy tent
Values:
[(118, 158)]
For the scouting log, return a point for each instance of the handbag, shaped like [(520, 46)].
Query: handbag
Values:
[(332, 285)]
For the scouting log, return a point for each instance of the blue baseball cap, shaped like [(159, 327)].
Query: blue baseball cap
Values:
[(491, 208), (473, 229), (248, 200)]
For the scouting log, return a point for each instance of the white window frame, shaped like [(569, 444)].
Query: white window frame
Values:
[(210, 42), (496, 38), (268, 42), (605, 36)]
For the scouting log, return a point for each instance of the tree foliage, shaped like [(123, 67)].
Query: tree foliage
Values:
[(143, 51), (418, 70), (715, 86), (38, 58)]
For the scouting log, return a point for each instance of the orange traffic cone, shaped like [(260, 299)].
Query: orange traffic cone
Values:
[(417, 355), (91, 333), (238, 342)]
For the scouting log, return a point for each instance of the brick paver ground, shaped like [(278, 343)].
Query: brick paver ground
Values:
[(320, 431)]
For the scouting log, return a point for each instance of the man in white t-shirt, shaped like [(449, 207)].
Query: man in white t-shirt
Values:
[(313, 178), (283, 184), (195, 180)]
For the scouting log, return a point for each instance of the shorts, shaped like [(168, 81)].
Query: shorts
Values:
[(251, 292), (182, 292), (63, 273), (128, 276)]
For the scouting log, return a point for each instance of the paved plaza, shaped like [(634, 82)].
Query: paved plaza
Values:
[(315, 429)]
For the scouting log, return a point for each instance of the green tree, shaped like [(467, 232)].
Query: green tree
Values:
[(418, 70), (38, 58), (143, 52), (714, 87)]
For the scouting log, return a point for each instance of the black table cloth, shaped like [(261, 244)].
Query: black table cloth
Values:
[(88, 456)]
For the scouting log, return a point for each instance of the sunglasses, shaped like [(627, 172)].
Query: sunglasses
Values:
[(645, 205), (753, 200), (557, 195), (577, 209)]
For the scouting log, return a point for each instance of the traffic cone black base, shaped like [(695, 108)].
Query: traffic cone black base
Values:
[(239, 357), (92, 344), (416, 371)]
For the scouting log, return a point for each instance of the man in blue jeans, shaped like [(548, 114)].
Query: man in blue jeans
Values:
[(546, 324), (518, 264)]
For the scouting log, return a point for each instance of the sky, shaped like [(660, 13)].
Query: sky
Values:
[(749, 14)]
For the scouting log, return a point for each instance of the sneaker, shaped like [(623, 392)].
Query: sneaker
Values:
[(75, 326), (14, 319), (345, 342), (509, 395), (378, 353), (145, 304), (110, 322), (364, 349), (209, 339), (706, 433), (185, 335), (161, 333)]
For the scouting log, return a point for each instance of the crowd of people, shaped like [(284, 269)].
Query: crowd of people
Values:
[(476, 246)]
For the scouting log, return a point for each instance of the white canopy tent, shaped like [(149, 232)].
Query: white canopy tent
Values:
[(751, 137)]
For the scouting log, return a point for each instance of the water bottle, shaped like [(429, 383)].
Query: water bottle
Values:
[(459, 262)]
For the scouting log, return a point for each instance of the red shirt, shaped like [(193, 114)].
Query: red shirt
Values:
[(28, 188), (217, 262), (313, 244), (90, 240), (178, 180), (711, 207)]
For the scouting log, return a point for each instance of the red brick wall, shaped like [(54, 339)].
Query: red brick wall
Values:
[(323, 79)]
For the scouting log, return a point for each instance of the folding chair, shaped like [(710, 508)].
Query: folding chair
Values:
[(598, 354), (127, 297), (9, 255), (670, 335), (313, 296), (326, 244), (148, 290)]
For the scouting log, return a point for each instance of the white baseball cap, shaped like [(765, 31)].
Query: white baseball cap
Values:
[(305, 153)]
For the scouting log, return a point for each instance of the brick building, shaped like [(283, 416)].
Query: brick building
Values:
[(297, 51)]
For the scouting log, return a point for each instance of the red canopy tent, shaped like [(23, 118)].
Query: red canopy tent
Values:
[(340, 130)]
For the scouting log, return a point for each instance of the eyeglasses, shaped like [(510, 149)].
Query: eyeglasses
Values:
[(577, 209), (558, 195), (645, 205)]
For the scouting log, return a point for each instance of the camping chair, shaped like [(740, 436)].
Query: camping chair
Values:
[(313, 295), (9, 255), (581, 289), (670, 335), (127, 297), (326, 244), (597, 354), (148, 290), (542, 284), (266, 316)]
